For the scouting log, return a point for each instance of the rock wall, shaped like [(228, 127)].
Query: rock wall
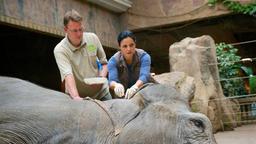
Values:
[(145, 13), (197, 58), (47, 17), (179, 80)]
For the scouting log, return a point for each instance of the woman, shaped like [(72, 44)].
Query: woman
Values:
[(129, 68)]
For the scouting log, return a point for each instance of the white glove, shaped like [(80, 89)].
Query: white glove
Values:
[(131, 91), (119, 89)]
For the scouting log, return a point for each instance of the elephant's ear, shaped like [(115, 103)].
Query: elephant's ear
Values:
[(138, 98), (122, 112)]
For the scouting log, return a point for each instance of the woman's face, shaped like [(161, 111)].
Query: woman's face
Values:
[(127, 46)]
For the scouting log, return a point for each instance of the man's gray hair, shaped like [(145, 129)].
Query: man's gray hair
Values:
[(72, 15)]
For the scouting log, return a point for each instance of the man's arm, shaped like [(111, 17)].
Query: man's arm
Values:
[(104, 71), (70, 85)]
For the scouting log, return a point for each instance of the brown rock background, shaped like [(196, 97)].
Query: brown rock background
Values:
[(193, 71)]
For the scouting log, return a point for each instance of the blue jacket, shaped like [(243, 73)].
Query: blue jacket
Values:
[(127, 75)]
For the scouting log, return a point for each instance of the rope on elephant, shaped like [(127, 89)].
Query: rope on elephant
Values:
[(103, 106), (117, 128)]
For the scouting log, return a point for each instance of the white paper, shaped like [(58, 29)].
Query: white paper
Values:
[(95, 80)]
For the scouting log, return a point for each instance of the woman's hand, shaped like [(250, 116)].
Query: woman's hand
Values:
[(131, 91), (119, 89)]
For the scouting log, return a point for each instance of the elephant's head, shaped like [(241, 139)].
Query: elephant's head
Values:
[(165, 117)]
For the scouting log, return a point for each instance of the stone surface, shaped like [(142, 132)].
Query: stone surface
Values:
[(197, 58), (47, 17), (145, 13), (179, 80)]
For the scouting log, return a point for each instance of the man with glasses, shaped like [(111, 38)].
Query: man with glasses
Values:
[(78, 57)]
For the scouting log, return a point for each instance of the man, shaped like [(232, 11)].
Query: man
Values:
[(78, 56)]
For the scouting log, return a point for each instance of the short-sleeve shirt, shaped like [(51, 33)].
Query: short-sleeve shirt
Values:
[(81, 61)]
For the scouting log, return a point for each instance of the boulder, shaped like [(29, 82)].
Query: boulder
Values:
[(197, 58)]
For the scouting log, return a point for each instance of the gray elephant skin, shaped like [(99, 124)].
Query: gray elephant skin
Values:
[(157, 114)]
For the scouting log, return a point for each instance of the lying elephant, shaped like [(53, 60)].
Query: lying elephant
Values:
[(157, 114)]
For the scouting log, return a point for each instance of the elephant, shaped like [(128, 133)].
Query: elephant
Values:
[(157, 114)]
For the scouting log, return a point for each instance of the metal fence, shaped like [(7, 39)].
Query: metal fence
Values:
[(245, 104), (247, 107)]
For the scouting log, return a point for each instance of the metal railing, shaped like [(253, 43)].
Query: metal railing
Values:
[(247, 109)]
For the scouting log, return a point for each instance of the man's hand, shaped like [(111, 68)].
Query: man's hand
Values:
[(119, 89), (131, 91)]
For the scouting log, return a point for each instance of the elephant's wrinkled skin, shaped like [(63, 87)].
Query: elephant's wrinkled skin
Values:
[(156, 115)]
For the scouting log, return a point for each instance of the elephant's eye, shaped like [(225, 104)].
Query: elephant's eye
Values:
[(198, 123)]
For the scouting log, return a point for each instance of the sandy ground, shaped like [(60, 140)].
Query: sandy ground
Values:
[(245, 134)]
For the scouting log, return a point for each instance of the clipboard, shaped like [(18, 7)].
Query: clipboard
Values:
[(95, 80)]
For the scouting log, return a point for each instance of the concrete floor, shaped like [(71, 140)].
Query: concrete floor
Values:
[(245, 134)]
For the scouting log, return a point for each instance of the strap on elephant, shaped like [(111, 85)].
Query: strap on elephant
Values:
[(103, 106), (117, 127), (143, 86)]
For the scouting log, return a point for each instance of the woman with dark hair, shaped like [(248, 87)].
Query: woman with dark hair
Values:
[(129, 68)]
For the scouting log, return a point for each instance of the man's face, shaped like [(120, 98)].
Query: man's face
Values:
[(127, 47), (74, 32)]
